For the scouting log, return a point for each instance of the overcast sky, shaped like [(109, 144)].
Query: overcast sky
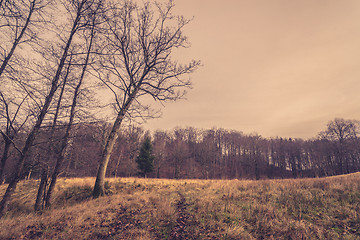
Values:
[(275, 67)]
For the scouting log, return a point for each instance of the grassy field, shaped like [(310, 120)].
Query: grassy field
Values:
[(326, 208)]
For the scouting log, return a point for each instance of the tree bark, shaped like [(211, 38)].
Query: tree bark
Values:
[(4, 159), (39, 203), (100, 177)]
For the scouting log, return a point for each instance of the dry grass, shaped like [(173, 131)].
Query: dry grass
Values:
[(326, 208)]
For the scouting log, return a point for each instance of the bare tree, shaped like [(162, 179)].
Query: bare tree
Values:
[(340, 130), (340, 133), (18, 26), (17, 21), (139, 43), (79, 9), (64, 143)]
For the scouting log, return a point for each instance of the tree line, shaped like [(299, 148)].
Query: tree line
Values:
[(206, 153)]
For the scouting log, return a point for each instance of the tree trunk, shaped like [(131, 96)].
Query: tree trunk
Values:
[(39, 204), (4, 159), (64, 144), (158, 172), (29, 174), (117, 165), (50, 151), (100, 178), (48, 196)]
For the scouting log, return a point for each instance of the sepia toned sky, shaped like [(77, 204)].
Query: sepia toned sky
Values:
[(275, 67)]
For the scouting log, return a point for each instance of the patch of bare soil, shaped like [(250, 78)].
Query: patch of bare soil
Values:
[(32, 232), (120, 226), (184, 220)]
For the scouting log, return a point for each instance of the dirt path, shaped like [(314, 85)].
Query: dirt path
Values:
[(183, 220)]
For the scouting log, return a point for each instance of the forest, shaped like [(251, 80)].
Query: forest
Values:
[(77, 75), (191, 153)]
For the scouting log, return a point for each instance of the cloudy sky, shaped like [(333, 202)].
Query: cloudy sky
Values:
[(275, 67)]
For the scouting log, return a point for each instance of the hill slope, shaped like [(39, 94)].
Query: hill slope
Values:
[(327, 208)]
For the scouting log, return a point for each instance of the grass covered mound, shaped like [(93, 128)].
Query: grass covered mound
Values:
[(326, 208)]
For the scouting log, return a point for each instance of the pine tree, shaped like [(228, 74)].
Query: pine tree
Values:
[(145, 158)]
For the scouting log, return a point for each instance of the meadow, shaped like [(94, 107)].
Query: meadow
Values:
[(135, 208)]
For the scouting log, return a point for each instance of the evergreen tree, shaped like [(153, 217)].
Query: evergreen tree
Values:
[(145, 158)]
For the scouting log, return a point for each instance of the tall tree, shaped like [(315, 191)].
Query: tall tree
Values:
[(92, 15), (79, 8), (145, 158), (137, 51), (18, 26)]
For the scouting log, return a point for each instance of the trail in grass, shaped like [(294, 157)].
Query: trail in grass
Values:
[(183, 220), (123, 221)]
